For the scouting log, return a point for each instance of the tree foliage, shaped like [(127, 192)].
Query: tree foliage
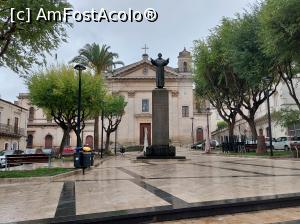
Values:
[(23, 44), (212, 76), (221, 125), (55, 90), (96, 57), (231, 66), (280, 38), (286, 117), (250, 64)]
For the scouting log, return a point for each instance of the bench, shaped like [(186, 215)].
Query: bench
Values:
[(27, 159)]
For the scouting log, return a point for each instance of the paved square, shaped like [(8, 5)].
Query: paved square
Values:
[(124, 184)]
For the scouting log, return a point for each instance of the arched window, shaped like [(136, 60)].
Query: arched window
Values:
[(185, 68), (89, 141), (31, 113), (29, 141), (6, 146), (15, 146), (48, 141)]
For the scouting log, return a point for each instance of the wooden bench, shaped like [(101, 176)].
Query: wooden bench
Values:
[(27, 159)]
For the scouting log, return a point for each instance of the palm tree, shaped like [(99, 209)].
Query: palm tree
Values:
[(100, 60)]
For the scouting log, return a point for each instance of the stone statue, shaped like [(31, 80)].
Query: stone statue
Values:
[(160, 73)]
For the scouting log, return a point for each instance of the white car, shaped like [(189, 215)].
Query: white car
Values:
[(3, 155), (280, 143)]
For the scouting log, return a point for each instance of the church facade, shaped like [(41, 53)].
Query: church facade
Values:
[(135, 82)]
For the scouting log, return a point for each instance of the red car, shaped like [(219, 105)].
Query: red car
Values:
[(68, 151)]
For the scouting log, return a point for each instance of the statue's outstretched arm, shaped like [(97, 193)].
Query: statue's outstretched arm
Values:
[(166, 62), (153, 62)]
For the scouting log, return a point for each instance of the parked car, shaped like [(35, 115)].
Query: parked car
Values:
[(280, 143), (68, 151), (5, 153), (193, 146), (295, 142), (267, 140), (295, 139), (214, 144), (33, 151), (200, 146), (48, 152)]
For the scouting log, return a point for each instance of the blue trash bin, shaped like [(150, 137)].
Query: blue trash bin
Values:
[(78, 158), (86, 159)]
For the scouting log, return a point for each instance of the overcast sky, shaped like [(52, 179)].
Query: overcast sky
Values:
[(179, 24)]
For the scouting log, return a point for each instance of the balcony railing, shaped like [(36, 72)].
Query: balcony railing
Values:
[(11, 130)]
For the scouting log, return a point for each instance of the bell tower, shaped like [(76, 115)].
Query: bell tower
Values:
[(184, 61)]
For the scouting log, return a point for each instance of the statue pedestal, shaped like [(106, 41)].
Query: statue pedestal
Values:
[(160, 148)]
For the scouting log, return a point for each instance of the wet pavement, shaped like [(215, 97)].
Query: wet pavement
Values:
[(123, 183)]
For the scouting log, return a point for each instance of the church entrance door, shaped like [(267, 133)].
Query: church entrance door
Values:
[(142, 133), (199, 135)]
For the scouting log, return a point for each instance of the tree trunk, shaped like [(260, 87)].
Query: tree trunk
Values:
[(252, 125), (231, 129), (63, 142), (107, 141), (96, 133)]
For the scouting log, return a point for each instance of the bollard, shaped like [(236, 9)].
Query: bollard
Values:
[(49, 161)]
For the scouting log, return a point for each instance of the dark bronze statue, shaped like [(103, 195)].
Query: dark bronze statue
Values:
[(160, 73)]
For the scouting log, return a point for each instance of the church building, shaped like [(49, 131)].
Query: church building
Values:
[(135, 82)]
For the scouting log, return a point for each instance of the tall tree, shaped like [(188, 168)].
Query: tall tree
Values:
[(113, 111), (250, 63), (214, 78), (23, 44), (100, 60), (55, 90), (280, 36)]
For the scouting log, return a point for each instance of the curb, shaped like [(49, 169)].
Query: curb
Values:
[(48, 178), (169, 213)]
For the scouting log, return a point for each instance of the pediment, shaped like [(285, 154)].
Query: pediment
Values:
[(141, 70)]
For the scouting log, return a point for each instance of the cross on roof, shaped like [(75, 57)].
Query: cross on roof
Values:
[(145, 48)]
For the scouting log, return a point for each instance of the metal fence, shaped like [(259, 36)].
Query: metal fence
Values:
[(238, 144)]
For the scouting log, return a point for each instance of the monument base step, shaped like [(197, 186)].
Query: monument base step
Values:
[(160, 152)]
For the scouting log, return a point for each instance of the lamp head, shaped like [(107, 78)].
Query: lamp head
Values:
[(79, 67)]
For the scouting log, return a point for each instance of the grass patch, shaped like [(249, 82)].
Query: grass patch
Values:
[(39, 172)]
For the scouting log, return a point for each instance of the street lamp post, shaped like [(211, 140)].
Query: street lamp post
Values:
[(267, 81), (116, 132), (193, 130), (79, 68), (207, 147), (102, 124)]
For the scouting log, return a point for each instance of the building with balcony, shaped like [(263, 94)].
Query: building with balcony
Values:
[(13, 126)]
